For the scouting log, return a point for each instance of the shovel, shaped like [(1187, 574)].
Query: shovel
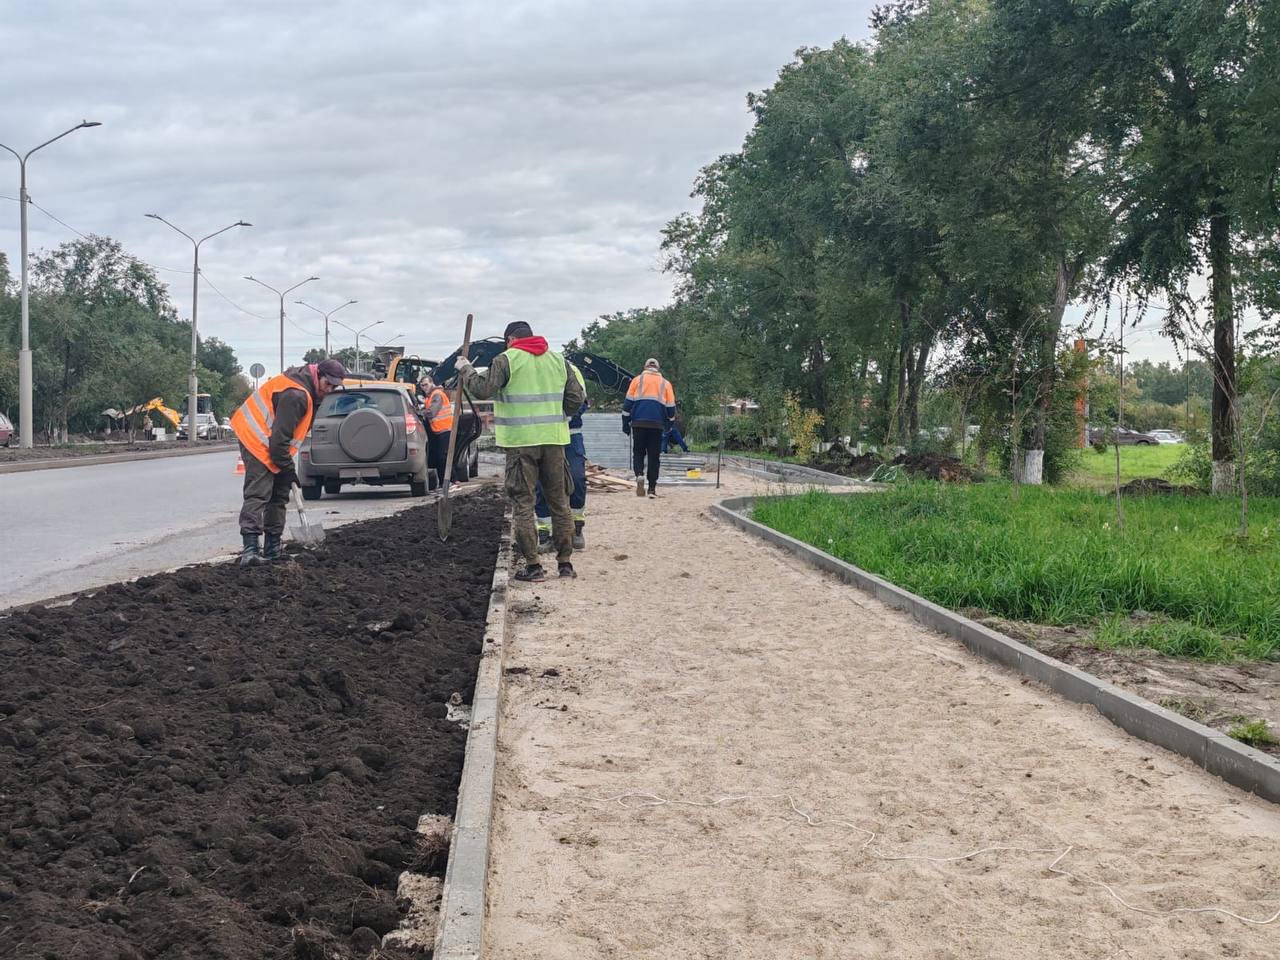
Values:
[(306, 531), (444, 513)]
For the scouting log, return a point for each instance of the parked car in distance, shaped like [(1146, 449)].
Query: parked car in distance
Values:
[(1168, 436), (366, 434), (8, 433), (1121, 437)]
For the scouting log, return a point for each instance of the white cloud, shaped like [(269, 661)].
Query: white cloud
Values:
[(516, 160)]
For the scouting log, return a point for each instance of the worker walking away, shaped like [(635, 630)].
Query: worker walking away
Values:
[(647, 412), (270, 426), (534, 390), (437, 414), (576, 462)]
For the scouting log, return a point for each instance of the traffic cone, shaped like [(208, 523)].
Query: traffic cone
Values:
[(239, 466)]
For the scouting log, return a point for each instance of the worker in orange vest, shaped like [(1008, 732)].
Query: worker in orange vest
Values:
[(437, 414), (647, 413), (270, 426)]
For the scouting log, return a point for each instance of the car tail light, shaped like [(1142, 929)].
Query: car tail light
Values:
[(410, 424)]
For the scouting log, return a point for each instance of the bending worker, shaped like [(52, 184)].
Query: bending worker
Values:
[(270, 426), (533, 390), (576, 457), (438, 416), (646, 414)]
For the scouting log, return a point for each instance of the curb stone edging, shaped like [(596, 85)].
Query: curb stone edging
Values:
[(463, 906), (60, 463), (1238, 764)]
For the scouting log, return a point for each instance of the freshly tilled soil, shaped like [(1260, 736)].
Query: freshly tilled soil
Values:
[(231, 763)]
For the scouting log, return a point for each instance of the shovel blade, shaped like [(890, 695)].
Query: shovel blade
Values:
[(306, 531)]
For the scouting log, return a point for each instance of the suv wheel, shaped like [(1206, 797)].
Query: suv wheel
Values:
[(333, 487), (418, 488), (312, 492)]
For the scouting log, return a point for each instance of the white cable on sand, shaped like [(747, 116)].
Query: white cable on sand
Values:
[(653, 800)]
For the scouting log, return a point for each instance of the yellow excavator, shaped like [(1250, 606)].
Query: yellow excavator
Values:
[(157, 404)]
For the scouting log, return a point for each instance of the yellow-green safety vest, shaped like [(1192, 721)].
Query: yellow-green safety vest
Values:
[(529, 410)]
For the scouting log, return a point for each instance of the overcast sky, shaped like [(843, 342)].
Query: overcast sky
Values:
[(515, 160)]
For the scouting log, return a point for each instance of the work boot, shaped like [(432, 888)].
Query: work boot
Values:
[(250, 554), (545, 543), (579, 541), (566, 571), (273, 548), (639, 486), (532, 573), (653, 493)]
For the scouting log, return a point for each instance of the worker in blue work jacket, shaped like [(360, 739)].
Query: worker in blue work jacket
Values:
[(575, 456)]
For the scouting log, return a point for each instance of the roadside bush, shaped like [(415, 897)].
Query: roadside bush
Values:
[(746, 432)]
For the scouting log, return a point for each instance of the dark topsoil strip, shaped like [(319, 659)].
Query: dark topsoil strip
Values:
[(202, 764), (15, 453)]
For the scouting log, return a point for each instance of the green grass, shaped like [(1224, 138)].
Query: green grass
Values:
[(1055, 556), (1253, 732), (1097, 470)]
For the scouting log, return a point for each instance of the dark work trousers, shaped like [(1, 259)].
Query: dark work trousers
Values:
[(526, 468), (266, 497), (437, 452), (646, 442), (575, 455)]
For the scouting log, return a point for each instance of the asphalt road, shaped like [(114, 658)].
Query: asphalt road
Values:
[(83, 527)]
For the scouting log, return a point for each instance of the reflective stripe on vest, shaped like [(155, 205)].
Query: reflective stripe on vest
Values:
[(253, 421), (443, 420), (529, 410), (652, 386)]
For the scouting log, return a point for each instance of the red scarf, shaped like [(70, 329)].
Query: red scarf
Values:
[(534, 345)]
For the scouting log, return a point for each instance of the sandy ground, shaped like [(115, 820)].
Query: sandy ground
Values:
[(692, 662)]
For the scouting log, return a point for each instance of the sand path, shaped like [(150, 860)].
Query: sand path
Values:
[(693, 662)]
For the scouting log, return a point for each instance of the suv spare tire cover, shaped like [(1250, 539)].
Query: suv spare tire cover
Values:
[(366, 434)]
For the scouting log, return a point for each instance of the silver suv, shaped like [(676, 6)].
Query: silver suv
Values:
[(366, 434)]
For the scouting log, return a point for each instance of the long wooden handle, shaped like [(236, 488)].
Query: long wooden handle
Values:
[(443, 511)]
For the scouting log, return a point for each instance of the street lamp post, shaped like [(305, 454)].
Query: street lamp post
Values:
[(326, 316), (193, 385), (26, 436), (281, 294), (357, 333)]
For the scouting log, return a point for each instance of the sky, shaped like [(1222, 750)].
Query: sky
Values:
[(510, 159)]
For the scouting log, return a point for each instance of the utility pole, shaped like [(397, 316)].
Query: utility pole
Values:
[(281, 294), (193, 386), (26, 437), (326, 316), (357, 333)]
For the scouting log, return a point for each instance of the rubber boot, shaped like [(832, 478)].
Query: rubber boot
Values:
[(545, 543), (250, 554), (272, 548), (579, 541), (639, 486)]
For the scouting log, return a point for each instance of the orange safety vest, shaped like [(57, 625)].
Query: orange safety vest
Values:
[(652, 386), (443, 420), (252, 423)]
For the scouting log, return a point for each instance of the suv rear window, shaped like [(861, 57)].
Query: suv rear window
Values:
[(342, 402)]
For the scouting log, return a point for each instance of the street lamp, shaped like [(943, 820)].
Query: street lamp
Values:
[(357, 333), (326, 316), (26, 436), (281, 294), (193, 385)]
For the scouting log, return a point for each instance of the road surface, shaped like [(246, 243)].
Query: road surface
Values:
[(82, 527)]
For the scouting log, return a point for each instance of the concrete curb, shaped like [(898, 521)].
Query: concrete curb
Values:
[(778, 471), (1238, 764), (60, 463), (460, 933)]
